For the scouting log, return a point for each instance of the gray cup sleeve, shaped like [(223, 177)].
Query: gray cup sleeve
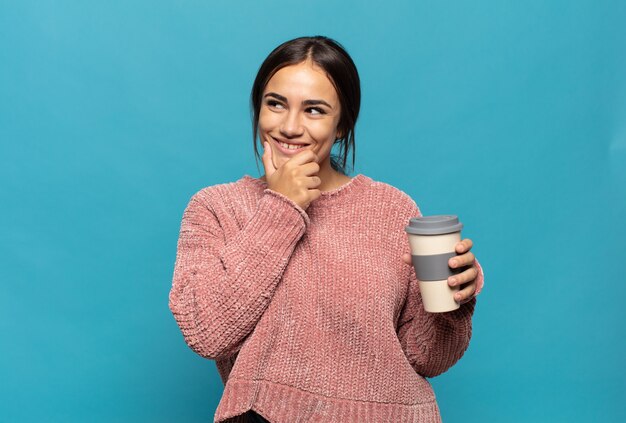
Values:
[(434, 267)]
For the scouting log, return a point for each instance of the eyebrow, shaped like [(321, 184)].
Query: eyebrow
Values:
[(305, 102)]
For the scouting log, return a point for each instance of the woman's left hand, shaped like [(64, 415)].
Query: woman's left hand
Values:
[(467, 280)]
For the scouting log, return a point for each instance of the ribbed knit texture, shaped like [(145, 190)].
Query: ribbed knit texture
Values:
[(311, 316)]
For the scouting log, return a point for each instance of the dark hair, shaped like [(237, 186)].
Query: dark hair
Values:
[(340, 69)]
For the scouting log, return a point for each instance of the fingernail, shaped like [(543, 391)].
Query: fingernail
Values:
[(452, 281), (453, 263), (458, 297)]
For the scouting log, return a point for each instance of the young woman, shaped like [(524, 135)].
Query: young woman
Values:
[(299, 284)]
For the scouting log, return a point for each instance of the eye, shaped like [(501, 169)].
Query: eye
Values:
[(316, 111), (274, 104)]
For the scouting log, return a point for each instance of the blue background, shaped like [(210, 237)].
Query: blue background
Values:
[(112, 114)]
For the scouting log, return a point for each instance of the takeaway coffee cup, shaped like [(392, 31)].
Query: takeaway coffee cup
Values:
[(432, 240)]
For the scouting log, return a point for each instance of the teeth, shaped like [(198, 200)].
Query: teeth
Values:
[(290, 146)]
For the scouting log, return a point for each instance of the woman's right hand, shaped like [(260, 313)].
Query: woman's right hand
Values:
[(296, 179)]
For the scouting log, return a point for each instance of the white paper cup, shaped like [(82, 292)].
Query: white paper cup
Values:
[(432, 240)]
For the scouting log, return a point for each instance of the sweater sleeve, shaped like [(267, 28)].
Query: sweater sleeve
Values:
[(433, 342), (222, 285)]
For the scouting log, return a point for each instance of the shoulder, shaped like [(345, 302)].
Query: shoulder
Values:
[(391, 195), (217, 195)]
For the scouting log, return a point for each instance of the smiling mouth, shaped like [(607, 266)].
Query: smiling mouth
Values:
[(290, 147)]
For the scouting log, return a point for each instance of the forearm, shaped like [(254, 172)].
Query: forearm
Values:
[(434, 342), (221, 289), (440, 341)]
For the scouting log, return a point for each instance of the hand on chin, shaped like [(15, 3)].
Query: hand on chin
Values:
[(278, 158)]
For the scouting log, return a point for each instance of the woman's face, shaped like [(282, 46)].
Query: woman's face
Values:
[(299, 107)]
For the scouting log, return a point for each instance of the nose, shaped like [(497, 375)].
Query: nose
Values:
[(291, 126)]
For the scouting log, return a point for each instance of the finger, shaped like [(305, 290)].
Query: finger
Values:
[(461, 260), (465, 294), (305, 156), (267, 160), (309, 169), (313, 182), (464, 246), (464, 277), (406, 257)]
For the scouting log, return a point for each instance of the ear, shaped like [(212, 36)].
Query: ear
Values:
[(340, 134)]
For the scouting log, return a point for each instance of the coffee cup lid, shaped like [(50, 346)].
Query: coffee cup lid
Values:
[(434, 225)]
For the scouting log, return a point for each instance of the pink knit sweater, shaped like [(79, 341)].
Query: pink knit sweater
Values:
[(311, 316)]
